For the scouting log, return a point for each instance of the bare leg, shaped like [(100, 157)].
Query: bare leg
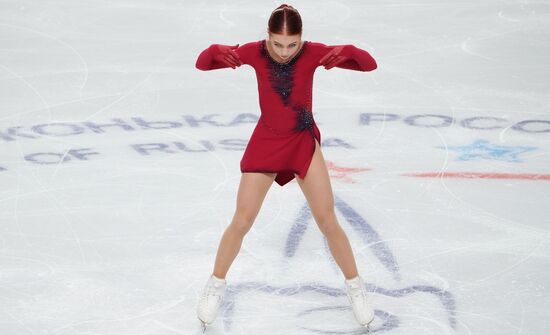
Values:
[(318, 192), (252, 191)]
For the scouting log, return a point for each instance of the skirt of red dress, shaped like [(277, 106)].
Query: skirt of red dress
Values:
[(284, 153)]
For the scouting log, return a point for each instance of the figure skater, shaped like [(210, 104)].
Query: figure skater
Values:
[(285, 144)]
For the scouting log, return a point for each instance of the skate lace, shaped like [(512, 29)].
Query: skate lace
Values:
[(357, 291), (213, 290)]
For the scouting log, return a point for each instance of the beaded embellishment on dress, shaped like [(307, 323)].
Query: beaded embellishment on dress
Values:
[(304, 119), (281, 74)]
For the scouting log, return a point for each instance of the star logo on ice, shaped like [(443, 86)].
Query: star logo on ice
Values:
[(343, 172), (482, 149)]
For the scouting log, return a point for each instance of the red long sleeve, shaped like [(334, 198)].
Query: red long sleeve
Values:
[(206, 60), (360, 60)]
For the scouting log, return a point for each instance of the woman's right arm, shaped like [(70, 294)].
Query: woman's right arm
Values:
[(219, 56)]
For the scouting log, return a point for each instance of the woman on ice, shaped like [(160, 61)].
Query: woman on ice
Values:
[(285, 144)]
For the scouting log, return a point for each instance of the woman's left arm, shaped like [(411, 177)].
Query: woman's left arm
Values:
[(348, 57)]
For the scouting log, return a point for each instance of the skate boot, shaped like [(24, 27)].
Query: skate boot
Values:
[(210, 300), (357, 294)]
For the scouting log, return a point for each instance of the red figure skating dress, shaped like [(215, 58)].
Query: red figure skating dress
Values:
[(283, 140)]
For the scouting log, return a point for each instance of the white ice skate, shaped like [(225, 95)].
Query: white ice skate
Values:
[(357, 294), (210, 300)]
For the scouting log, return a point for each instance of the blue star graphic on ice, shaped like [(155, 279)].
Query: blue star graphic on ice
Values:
[(482, 149)]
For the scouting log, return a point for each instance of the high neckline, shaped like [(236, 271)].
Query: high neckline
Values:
[(290, 61)]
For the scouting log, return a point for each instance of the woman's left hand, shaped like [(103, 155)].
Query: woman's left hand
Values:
[(334, 57)]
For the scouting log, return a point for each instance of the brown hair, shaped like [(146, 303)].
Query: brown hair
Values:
[(285, 19)]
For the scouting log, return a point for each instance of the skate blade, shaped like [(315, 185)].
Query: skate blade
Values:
[(367, 326), (203, 326)]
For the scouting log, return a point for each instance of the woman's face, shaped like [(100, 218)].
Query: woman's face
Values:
[(284, 46)]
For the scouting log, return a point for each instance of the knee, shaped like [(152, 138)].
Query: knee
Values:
[(327, 223), (241, 224)]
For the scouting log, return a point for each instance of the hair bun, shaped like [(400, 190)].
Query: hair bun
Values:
[(285, 19)]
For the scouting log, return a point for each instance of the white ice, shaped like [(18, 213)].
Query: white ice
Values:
[(438, 159)]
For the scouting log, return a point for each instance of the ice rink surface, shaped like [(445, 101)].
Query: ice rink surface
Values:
[(119, 166)]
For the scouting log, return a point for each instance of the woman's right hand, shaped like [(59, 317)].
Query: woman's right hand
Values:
[(226, 55)]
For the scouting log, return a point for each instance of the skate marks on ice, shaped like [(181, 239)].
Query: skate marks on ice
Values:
[(322, 309)]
